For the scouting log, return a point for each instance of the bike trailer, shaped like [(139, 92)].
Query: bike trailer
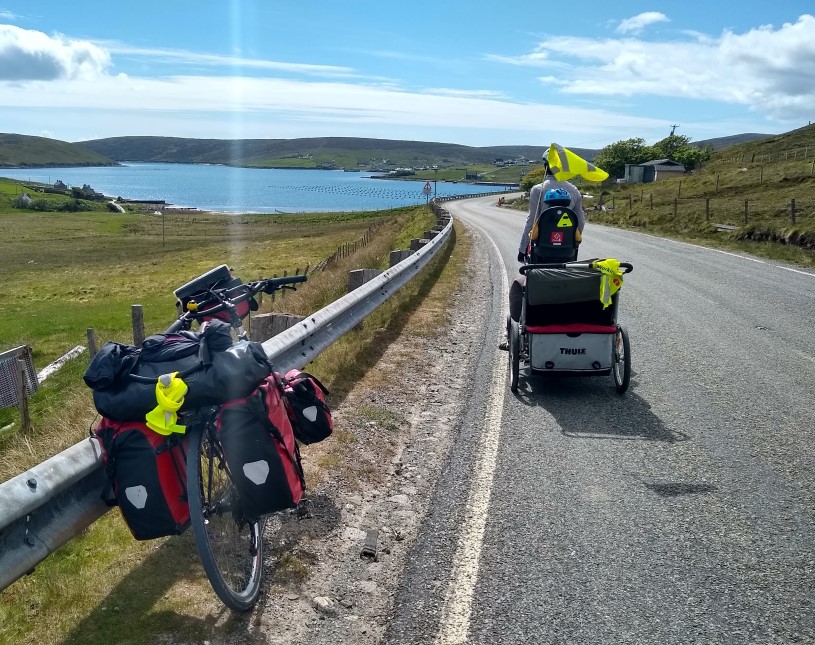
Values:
[(260, 450), (567, 326), (148, 474)]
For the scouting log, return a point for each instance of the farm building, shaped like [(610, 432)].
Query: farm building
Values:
[(644, 173)]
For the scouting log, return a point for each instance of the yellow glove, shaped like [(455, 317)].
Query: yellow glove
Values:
[(170, 392)]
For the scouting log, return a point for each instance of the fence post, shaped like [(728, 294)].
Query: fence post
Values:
[(629, 201), (22, 394), (812, 169), (792, 212), (642, 194), (92, 346), (675, 203), (612, 202), (717, 183), (137, 317), (652, 200), (707, 209), (679, 190), (761, 175), (746, 210)]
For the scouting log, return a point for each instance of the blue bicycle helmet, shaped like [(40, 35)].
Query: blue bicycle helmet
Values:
[(557, 197)]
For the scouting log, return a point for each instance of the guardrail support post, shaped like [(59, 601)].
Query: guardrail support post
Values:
[(266, 326), (137, 316), (358, 277), (92, 346), (397, 256)]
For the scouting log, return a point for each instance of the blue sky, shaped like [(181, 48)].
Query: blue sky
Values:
[(583, 74)]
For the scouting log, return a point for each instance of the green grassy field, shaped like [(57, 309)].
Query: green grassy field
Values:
[(63, 273)]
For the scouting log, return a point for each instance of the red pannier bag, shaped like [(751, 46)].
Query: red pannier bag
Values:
[(309, 413), (260, 450), (148, 474)]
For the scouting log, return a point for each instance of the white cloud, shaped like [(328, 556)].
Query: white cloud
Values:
[(7, 15), (446, 91), (769, 69), (215, 60), (269, 103), (636, 24), (27, 55)]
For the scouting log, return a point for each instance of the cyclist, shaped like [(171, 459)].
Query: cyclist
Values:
[(550, 192), (536, 197)]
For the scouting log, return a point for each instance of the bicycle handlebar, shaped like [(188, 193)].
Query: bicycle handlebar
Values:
[(212, 301), (627, 267)]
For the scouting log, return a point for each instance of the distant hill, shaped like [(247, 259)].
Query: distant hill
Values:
[(802, 139), (329, 152), (723, 142), (19, 150)]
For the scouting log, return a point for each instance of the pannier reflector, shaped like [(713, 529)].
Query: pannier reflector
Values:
[(136, 495), (256, 471)]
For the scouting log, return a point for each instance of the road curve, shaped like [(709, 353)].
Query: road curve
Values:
[(681, 512)]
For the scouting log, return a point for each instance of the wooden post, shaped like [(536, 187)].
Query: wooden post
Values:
[(642, 194), (717, 183), (812, 169), (792, 212), (679, 189), (707, 209), (746, 210), (137, 317), (761, 175), (92, 346), (612, 202), (675, 203), (652, 201), (629, 201), (22, 393)]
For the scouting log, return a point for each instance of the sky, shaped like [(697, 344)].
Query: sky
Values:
[(582, 74)]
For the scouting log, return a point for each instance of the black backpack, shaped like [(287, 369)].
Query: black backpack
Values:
[(556, 236)]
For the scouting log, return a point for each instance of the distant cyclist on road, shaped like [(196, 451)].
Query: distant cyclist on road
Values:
[(557, 162)]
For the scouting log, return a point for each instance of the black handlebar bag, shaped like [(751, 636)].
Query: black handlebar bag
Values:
[(214, 369)]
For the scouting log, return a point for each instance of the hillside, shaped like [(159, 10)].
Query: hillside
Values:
[(18, 150), (719, 143), (331, 152), (801, 139)]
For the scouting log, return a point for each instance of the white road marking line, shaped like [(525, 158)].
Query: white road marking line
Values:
[(699, 246), (455, 622), (811, 275)]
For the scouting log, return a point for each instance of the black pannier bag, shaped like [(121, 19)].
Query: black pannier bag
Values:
[(217, 370), (309, 413), (261, 452), (148, 474)]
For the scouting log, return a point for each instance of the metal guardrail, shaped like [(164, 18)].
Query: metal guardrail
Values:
[(50, 504)]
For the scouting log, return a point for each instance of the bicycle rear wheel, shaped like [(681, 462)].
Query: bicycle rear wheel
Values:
[(230, 547)]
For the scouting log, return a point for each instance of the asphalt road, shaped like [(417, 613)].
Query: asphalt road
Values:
[(681, 512)]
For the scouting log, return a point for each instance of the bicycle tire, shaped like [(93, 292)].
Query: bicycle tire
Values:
[(229, 546), (622, 360)]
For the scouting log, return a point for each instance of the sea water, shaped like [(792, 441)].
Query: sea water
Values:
[(248, 190)]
